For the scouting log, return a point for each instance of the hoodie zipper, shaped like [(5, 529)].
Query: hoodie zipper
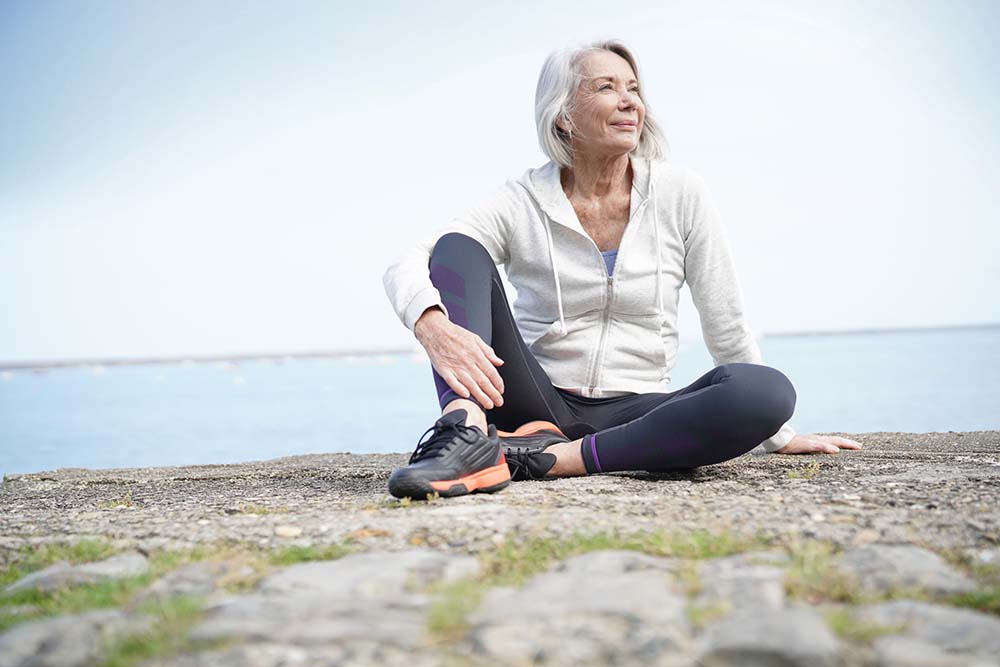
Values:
[(604, 331), (606, 318)]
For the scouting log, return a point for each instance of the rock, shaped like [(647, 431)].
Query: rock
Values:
[(355, 654), (884, 568), (948, 628), (196, 579), (287, 531), (907, 652), (612, 562), (306, 619), (61, 574), (371, 574), (766, 638), (361, 597), (559, 617), (984, 557), (66, 641), (737, 585)]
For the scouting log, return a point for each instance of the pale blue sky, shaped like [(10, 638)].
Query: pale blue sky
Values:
[(198, 178)]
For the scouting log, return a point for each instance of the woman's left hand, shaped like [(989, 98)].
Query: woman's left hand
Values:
[(817, 444)]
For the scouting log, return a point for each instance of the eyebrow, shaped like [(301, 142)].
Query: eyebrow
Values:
[(610, 78)]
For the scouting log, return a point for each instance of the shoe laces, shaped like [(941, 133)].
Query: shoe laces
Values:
[(519, 459), (441, 438)]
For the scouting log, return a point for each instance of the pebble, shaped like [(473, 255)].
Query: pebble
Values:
[(287, 531)]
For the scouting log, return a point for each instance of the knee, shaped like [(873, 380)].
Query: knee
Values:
[(457, 242), (765, 394)]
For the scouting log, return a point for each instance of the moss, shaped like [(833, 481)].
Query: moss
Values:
[(846, 625)]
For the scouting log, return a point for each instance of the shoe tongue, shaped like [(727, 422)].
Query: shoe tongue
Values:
[(454, 417)]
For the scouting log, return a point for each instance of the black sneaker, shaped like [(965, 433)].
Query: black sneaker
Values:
[(525, 449), (456, 460)]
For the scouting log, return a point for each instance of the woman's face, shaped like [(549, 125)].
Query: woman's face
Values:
[(608, 113)]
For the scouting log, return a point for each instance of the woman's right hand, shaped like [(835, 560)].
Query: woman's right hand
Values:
[(462, 359)]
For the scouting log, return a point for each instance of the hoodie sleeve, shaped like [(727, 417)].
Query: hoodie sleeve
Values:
[(710, 272), (407, 280)]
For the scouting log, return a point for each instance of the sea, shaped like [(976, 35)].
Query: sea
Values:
[(186, 413)]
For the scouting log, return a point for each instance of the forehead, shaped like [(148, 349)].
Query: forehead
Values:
[(606, 65)]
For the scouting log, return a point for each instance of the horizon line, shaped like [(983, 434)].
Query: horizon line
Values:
[(38, 364)]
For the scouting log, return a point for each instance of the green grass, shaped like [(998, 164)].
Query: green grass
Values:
[(985, 600), (173, 620), (293, 554), (251, 508), (32, 604), (700, 615), (813, 576), (29, 559), (125, 500), (846, 626), (515, 561), (807, 472)]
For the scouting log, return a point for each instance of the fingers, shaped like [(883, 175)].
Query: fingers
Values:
[(489, 386), (846, 443), (475, 385), (493, 377), (490, 353), (454, 383)]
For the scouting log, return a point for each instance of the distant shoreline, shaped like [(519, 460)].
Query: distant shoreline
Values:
[(44, 364)]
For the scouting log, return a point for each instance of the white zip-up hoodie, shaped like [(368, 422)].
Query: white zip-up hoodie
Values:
[(593, 334)]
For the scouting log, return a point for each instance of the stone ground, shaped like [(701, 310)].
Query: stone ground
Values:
[(909, 522)]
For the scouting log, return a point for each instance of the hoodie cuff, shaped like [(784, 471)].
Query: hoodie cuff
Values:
[(425, 298), (776, 441)]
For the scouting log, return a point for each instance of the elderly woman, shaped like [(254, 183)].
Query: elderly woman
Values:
[(597, 243)]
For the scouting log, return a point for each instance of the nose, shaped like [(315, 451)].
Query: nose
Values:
[(628, 99)]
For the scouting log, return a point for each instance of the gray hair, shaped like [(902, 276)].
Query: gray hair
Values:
[(555, 94)]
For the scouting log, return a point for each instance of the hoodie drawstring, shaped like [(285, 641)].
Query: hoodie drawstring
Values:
[(555, 275), (659, 259), (659, 248)]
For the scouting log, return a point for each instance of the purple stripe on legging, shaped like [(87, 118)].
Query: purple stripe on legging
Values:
[(448, 280), (593, 451)]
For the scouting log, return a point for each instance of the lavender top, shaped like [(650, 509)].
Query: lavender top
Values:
[(609, 259)]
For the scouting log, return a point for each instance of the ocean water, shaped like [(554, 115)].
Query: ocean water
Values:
[(192, 413)]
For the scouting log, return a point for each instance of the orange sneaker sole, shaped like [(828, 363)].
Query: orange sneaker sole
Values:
[(531, 427), (487, 479)]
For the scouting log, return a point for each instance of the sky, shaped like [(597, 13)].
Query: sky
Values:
[(192, 178)]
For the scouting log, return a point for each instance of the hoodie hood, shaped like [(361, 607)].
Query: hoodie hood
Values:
[(545, 187)]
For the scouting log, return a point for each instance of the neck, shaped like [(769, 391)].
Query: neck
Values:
[(593, 177)]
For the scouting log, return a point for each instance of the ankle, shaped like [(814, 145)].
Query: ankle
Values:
[(569, 462), (474, 414)]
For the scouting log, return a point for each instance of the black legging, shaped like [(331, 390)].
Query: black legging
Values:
[(725, 413)]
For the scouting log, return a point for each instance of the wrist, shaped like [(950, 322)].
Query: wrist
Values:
[(429, 316)]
